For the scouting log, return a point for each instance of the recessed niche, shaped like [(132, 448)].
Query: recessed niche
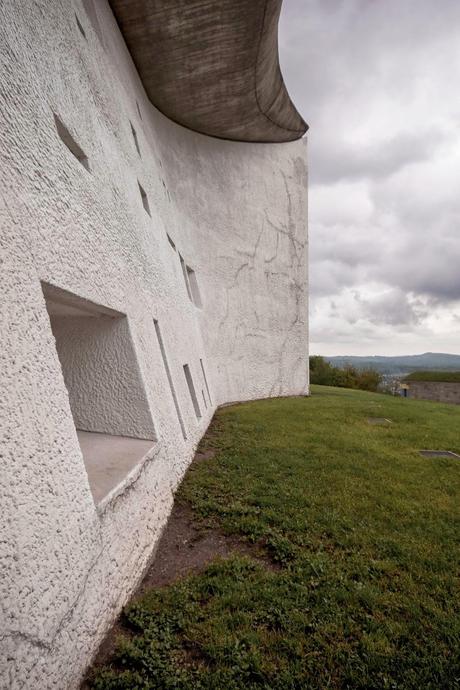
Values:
[(145, 201), (205, 380), (191, 388), (105, 391), (194, 289), (185, 274), (136, 142), (70, 142), (169, 377)]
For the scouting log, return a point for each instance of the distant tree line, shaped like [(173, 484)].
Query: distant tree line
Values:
[(325, 374), (438, 376)]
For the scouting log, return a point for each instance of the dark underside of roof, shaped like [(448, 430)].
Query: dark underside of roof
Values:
[(212, 65)]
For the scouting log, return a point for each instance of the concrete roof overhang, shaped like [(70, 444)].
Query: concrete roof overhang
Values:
[(212, 65)]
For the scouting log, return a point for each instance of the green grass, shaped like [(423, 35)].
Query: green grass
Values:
[(441, 376), (366, 534)]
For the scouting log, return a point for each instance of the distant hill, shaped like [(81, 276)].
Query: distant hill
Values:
[(436, 361)]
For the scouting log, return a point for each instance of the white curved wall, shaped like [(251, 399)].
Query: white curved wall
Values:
[(236, 213)]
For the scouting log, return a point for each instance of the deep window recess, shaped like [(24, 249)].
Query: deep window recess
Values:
[(205, 380), (136, 142), (105, 390), (169, 377), (171, 242), (70, 142), (192, 281), (81, 29), (145, 201), (185, 274), (191, 388)]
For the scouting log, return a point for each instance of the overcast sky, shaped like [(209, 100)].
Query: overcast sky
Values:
[(378, 81)]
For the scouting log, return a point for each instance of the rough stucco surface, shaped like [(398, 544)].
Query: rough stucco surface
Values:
[(237, 214), (106, 393), (439, 391)]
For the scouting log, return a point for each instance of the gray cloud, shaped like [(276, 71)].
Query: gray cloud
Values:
[(377, 82), (341, 160), (392, 307)]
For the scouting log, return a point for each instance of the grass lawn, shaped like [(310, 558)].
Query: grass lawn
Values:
[(365, 534)]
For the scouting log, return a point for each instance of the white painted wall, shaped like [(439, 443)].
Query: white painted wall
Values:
[(237, 214), (102, 377)]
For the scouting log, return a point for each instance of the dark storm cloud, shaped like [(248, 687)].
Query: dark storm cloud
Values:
[(378, 84)]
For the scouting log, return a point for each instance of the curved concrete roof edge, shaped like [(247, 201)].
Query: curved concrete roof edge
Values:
[(213, 65)]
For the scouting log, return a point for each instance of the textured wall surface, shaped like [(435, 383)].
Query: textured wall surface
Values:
[(439, 391), (235, 212), (99, 365)]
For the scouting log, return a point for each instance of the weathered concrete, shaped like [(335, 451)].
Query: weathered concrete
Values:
[(212, 65), (438, 391), (235, 212)]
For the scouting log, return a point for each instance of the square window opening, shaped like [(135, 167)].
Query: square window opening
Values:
[(107, 398)]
